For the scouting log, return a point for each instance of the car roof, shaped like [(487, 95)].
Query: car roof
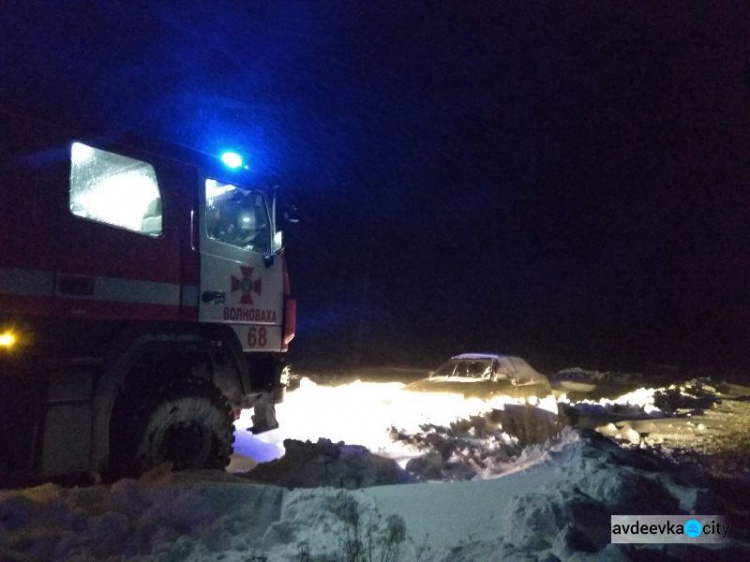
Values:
[(478, 356), (515, 365)]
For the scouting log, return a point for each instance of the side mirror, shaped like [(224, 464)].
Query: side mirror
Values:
[(278, 242)]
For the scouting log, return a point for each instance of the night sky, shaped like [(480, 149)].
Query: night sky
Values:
[(566, 181)]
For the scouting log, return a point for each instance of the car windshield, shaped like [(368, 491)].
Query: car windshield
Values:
[(475, 369), (446, 369), (467, 368)]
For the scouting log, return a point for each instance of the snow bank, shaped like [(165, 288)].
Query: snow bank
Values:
[(356, 413), (616, 417), (179, 514), (504, 500), (434, 436), (336, 465), (557, 502), (638, 403)]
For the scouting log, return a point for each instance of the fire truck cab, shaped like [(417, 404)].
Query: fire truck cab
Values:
[(144, 298)]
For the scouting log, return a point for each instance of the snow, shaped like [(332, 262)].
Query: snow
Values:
[(359, 413), (534, 502), (640, 402)]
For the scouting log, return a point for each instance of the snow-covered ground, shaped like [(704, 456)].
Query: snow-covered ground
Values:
[(379, 416), (544, 501)]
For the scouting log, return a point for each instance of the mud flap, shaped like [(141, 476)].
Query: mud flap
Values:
[(264, 416)]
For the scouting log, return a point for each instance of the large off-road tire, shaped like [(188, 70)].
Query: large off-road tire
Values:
[(187, 423)]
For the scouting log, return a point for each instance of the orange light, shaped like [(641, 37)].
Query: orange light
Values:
[(7, 340)]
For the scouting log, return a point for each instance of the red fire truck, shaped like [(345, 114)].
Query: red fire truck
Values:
[(144, 299)]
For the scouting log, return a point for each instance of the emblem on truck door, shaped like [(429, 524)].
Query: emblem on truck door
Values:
[(246, 285)]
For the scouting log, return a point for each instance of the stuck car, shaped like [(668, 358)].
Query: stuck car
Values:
[(485, 375)]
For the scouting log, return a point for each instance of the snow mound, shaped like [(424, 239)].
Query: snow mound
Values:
[(133, 518), (324, 463), (689, 397), (481, 446), (638, 403), (692, 396), (556, 504), (459, 451), (577, 374)]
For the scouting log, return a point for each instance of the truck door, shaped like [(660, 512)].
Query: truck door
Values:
[(241, 284), (118, 242)]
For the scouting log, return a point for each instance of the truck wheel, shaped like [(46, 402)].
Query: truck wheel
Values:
[(187, 423)]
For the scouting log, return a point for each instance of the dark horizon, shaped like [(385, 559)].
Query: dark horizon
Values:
[(568, 183)]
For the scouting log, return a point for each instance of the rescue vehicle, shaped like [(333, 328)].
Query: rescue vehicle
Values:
[(144, 300)]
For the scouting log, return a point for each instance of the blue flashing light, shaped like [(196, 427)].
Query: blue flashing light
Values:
[(232, 160)]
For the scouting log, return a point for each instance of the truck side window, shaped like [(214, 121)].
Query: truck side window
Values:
[(114, 189), (237, 217)]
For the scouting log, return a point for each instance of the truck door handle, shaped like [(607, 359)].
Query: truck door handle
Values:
[(214, 296)]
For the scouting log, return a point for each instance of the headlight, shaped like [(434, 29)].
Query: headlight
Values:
[(8, 339), (13, 337)]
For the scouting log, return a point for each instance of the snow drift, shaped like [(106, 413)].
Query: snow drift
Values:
[(556, 503)]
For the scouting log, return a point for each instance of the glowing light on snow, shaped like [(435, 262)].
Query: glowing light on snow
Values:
[(547, 403), (640, 397), (365, 413), (232, 159), (639, 401)]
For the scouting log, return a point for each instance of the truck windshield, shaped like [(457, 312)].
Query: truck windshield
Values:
[(237, 217)]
